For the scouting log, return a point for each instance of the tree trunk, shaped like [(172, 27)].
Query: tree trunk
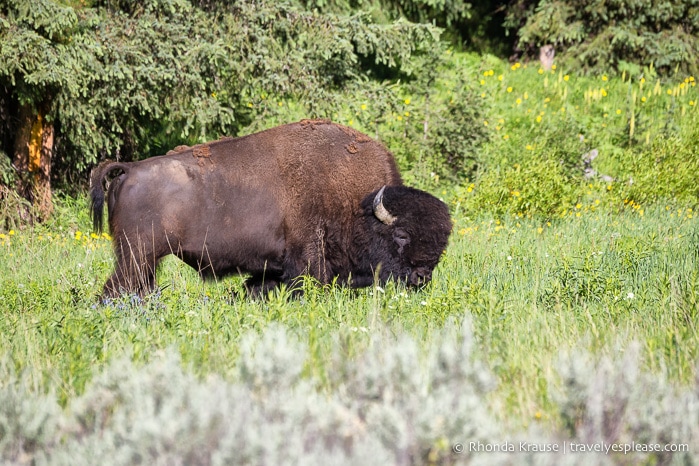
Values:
[(32, 158)]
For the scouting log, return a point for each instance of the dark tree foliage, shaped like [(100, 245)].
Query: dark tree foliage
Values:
[(81, 81), (440, 12), (598, 35), (476, 26)]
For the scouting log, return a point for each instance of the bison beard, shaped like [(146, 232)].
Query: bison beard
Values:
[(309, 198)]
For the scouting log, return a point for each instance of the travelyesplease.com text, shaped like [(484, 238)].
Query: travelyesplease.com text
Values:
[(569, 447)]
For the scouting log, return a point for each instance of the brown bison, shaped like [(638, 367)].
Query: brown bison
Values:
[(309, 198)]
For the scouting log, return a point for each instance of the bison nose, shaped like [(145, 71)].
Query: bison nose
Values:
[(420, 276)]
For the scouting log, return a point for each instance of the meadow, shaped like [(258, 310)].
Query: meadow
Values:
[(564, 311)]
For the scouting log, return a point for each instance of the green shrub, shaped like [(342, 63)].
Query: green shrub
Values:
[(531, 187), (459, 134), (666, 171)]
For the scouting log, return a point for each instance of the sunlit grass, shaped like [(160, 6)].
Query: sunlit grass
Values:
[(532, 287), (542, 259)]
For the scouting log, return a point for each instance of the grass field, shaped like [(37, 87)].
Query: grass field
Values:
[(564, 310), (531, 292)]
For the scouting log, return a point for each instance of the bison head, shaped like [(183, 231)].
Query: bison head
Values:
[(408, 232)]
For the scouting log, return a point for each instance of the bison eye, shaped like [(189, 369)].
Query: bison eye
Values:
[(401, 238)]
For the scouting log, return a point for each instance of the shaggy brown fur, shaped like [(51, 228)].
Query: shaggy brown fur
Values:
[(277, 204)]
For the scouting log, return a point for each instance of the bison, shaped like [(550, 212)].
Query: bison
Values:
[(308, 198)]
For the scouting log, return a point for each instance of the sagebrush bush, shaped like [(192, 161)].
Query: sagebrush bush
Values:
[(29, 421), (613, 401), (394, 404)]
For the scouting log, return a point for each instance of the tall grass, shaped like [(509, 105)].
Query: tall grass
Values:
[(576, 298), (532, 287)]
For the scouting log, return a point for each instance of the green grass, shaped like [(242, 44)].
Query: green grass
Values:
[(542, 263), (532, 289)]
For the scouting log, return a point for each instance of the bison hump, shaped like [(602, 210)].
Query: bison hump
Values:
[(177, 150)]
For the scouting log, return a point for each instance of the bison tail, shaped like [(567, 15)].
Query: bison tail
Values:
[(97, 189)]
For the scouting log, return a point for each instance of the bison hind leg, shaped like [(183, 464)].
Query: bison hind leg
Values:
[(134, 272), (127, 280)]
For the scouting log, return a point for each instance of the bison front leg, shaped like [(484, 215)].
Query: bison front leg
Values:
[(135, 269), (259, 285)]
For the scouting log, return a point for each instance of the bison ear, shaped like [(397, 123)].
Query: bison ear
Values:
[(380, 211)]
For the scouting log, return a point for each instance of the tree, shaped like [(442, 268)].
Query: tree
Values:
[(602, 35), (32, 41), (83, 82), (126, 79)]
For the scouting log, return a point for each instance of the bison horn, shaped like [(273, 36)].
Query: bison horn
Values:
[(380, 211)]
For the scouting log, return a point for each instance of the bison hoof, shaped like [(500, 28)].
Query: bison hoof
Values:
[(420, 277)]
